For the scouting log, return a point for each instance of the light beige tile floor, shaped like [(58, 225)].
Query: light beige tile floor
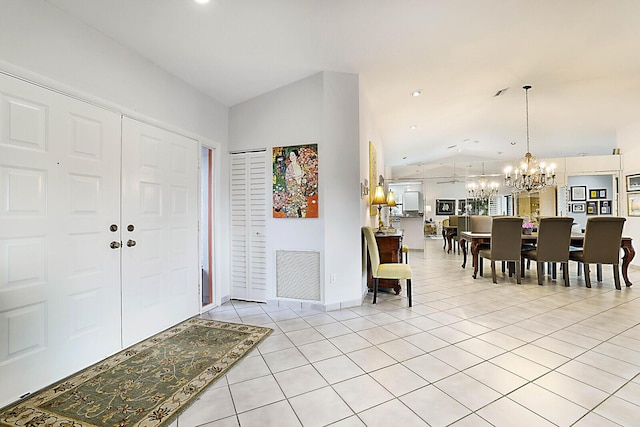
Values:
[(468, 353)]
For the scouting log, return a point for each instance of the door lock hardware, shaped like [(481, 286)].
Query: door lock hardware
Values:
[(115, 245), (130, 227), (113, 228), (131, 243)]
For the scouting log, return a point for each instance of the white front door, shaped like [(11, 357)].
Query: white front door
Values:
[(59, 277), (160, 207)]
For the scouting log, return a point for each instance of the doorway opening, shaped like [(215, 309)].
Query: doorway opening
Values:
[(207, 225)]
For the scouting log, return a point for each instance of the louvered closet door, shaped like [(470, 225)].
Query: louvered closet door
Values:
[(160, 204), (59, 278), (248, 222)]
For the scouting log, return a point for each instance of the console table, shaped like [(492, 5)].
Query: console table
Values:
[(390, 248)]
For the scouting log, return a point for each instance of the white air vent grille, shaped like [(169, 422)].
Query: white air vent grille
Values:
[(298, 274)]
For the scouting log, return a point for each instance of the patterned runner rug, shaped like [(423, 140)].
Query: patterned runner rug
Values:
[(147, 384)]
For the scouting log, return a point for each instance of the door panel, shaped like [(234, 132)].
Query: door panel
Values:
[(59, 193), (160, 201), (248, 221)]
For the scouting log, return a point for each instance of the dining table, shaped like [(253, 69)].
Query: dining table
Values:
[(475, 240)]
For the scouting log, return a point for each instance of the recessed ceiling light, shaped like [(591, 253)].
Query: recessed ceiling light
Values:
[(202, 1), (416, 92), (413, 127)]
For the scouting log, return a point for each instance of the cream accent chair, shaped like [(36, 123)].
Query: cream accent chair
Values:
[(602, 238), (554, 239), (389, 270), (506, 243)]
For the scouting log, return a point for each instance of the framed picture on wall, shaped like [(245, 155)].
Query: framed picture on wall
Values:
[(598, 193), (445, 206), (592, 208), (633, 203), (578, 193), (578, 207), (605, 207), (633, 182), (462, 206)]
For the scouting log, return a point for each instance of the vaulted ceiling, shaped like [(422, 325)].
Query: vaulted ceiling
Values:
[(468, 58)]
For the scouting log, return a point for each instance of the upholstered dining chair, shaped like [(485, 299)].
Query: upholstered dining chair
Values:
[(388, 270), (506, 242), (481, 224), (554, 239), (453, 222), (464, 224), (601, 245)]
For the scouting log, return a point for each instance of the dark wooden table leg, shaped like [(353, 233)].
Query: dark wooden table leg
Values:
[(444, 239), (474, 254), (629, 253), (463, 245)]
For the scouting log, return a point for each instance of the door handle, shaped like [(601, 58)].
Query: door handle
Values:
[(115, 245), (131, 243)]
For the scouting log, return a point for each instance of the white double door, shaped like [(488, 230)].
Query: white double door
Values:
[(73, 176)]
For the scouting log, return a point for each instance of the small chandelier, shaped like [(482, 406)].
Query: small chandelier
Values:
[(483, 189), (528, 174)]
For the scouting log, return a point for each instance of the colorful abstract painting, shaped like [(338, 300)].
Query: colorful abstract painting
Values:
[(295, 181)]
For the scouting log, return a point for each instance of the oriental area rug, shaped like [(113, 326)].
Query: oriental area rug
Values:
[(147, 384)]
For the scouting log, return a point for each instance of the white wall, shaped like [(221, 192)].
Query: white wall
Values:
[(628, 144), (320, 109), (38, 40)]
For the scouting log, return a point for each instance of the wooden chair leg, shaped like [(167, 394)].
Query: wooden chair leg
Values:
[(565, 273), (539, 271), (599, 272), (554, 273), (579, 269), (493, 272), (481, 267), (587, 275), (518, 278), (409, 291), (521, 266), (503, 266), (375, 290), (616, 276)]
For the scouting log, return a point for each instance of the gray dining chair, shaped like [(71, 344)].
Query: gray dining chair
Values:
[(554, 239), (464, 224), (387, 270), (506, 242), (601, 245)]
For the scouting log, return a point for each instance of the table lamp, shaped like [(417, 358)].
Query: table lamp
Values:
[(391, 202), (379, 199)]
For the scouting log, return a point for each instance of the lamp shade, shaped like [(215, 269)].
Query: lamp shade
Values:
[(391, 201), (378, 196)]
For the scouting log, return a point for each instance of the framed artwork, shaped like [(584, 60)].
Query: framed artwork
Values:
[(578, 193), (578, 207), (633, 182), (373, 177), (445, 206), (592, 208), (295, 181), (633, 204), (462, 206), (605, 207), (599, 193)]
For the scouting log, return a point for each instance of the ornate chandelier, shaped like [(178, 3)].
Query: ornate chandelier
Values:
[(528, 174), (482, 189)]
